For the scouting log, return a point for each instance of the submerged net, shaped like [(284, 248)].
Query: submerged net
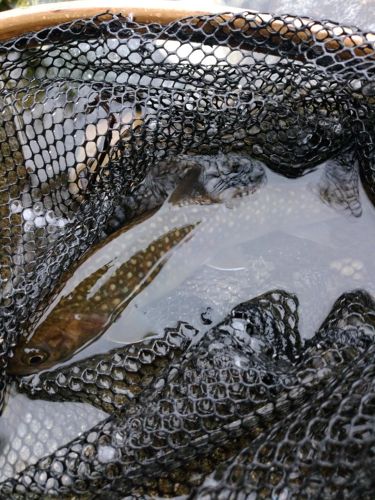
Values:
[(88, 108)]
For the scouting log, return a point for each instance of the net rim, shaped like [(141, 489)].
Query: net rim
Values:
[(16, 22)]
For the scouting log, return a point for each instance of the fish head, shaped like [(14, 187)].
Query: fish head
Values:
[(54, 341)]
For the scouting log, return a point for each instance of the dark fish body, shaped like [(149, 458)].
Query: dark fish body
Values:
[(80, 315), (191, 179)]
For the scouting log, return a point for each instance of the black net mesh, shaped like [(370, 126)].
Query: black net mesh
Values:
[(242, 410)]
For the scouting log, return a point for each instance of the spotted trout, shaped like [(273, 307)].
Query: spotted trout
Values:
[(86, 307)]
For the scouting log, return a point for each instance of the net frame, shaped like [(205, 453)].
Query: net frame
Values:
[(17, 22)]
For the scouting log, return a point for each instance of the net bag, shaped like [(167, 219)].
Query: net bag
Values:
[(87, 108)]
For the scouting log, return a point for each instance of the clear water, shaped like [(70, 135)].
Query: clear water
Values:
[(283, 236)]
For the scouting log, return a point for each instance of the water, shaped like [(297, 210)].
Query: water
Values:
[(32, 429), (283, 236)]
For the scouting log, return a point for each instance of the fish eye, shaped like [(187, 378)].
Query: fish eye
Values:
[(33, 356)]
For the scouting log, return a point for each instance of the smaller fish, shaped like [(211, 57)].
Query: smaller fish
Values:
[(79, 317), (191, 179)]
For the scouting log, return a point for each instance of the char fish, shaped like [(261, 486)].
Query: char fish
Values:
[(80, 314), (101, 294)]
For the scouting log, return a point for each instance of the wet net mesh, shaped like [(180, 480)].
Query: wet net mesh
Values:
[(241, 410)]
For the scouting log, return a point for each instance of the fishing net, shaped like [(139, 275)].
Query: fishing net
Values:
[(88, 109)]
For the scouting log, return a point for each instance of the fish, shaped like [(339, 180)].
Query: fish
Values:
[(335, 425), (224, 356), (292, 125), (290, 116), (191, 179), (82, 315), (78, 316), (50, 216)]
